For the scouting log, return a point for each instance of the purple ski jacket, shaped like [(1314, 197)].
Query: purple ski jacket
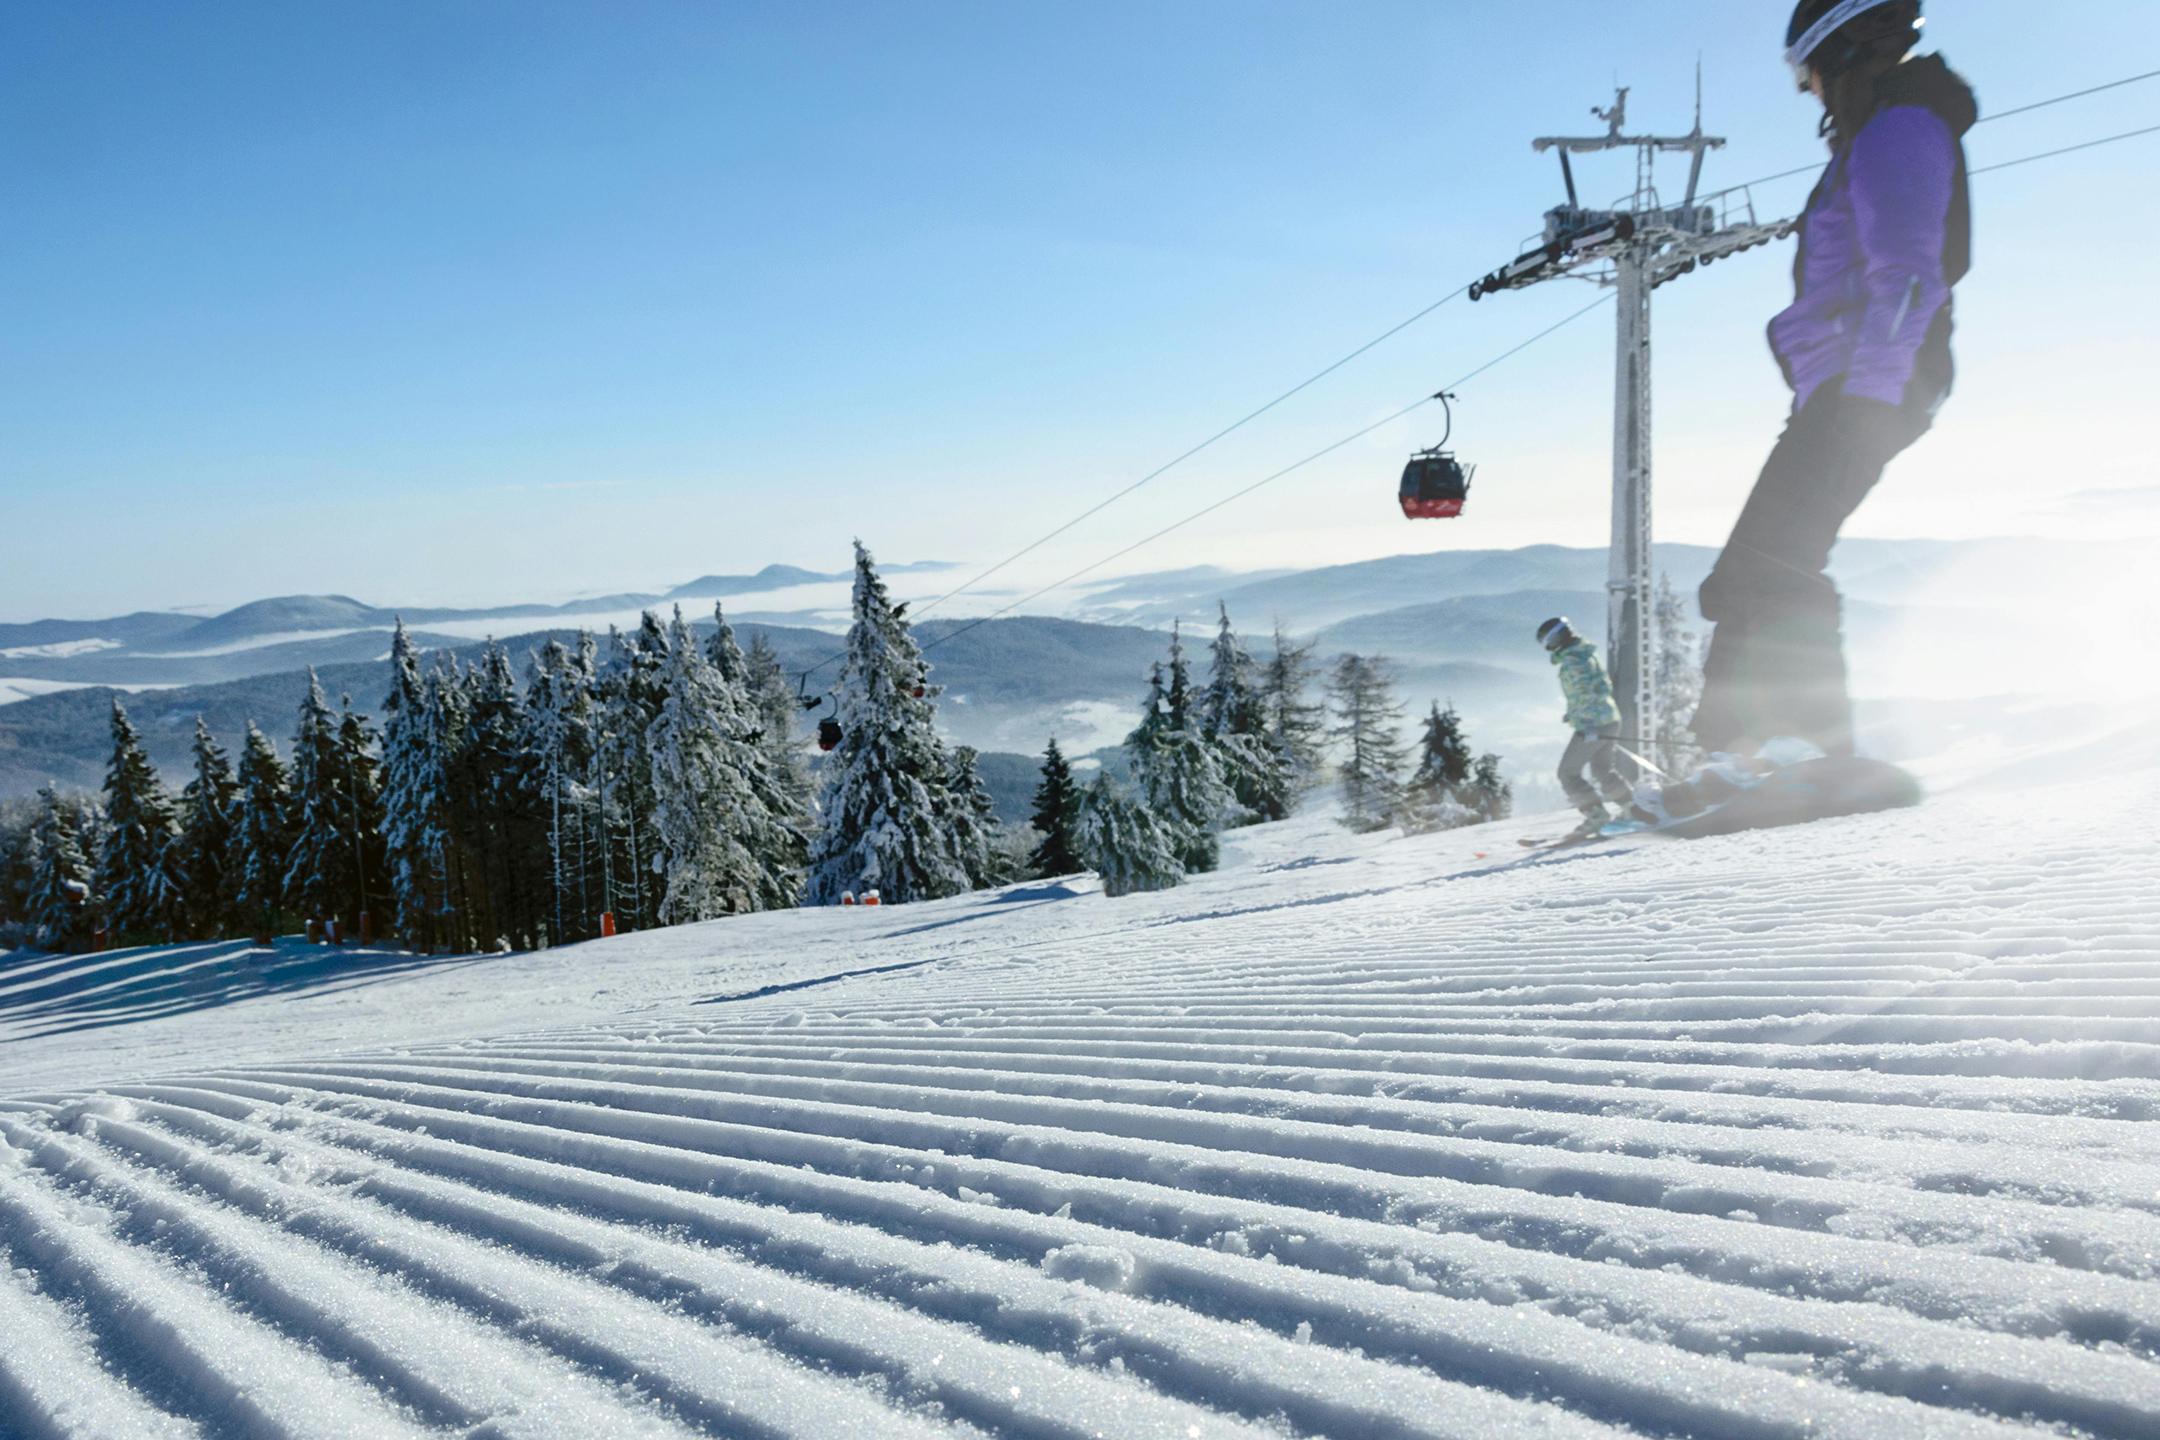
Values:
[(1886, 235)]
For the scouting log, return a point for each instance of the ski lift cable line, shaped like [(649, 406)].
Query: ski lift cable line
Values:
[(1983, 120), (1390, 333), (803, 676), (2073, 95), (2067, 150), (1266, 480), (1315, 378)]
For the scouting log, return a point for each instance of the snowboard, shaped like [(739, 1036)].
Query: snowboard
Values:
[(1794, 795)]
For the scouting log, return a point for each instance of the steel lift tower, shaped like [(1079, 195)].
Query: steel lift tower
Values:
[(1633, 247)]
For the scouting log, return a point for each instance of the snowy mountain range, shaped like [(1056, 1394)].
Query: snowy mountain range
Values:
[(1923, 616)]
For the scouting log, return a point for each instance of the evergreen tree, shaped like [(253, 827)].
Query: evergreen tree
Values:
[(205, 861), (558, 721), (724, 849), (1234, 717), (756, 721), (318, 868), (1179, 772), (632, 688), (18, 860), (1495, 798), (446, 702), (262, 836), (143, 898), (1439, 795), (725, 652), (1368, 723), (361, 771), (1056, 811), (703, 865), (415, 783), (886, 807), (1678, 681), (590, 834), (1123, 841), (1295, 725), (497, 809), (58, 905), (978, 838), (775, 708)]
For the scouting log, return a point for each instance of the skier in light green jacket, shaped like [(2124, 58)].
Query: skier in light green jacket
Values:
[(1590, 768)]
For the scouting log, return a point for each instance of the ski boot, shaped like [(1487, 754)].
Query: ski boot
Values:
[(1593, 824)]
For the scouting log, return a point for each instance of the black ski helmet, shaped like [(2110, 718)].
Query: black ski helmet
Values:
[(1830, 35), (1555, 633)]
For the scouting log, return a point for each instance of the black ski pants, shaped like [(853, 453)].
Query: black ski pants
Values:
[(1777, 658), (1595, 754)]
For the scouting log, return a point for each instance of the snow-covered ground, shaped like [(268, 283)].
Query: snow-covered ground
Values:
[(1849, 1130)]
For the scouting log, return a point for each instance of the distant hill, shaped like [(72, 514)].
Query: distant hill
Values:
[(1313, 599), (144, 628), (772, 577), (1457, 625)]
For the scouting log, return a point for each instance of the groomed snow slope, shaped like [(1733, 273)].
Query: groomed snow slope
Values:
[(1841, 1131)]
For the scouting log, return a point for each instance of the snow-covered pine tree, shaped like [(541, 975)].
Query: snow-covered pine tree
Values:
[(775, 825), (448, 706), (703, 867), (262, 835), (329, 817), (1495, 798), (59, 904), (1295, 724), (1439, 795), (883, 823), (590, 831), (358, 750), (632, 687), (1368, 722), (1121, 839), (415, 783), (1057, 803), (1178, 770), (497, 782), (18, 859), (204, 861), (142, 897), (978, 837), (558, 727), (319, 866), (774, 706), (724, 651), (1678, 681), (1235, 720)]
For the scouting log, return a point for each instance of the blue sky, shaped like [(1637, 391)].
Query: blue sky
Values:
[(463, 302)]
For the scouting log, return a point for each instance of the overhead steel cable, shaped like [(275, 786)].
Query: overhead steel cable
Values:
[(1096, 509), (1083, 572), (1983, 120), (2067, 150), (1266, 480), (2073, 95)]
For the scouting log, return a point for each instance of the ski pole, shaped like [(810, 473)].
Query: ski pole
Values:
[(1639, 759)]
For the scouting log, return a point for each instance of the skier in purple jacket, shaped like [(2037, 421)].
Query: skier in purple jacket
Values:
[(1865, 346)]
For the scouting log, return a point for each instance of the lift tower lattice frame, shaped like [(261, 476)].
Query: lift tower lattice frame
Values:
[(1633, 247)]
